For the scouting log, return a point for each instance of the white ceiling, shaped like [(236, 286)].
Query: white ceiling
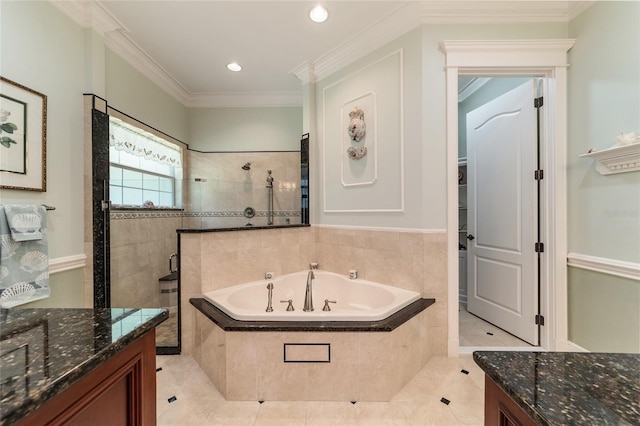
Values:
[(184, 46)]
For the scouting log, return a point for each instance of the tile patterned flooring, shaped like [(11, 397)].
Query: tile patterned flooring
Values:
[(475, 332), (198, 402)]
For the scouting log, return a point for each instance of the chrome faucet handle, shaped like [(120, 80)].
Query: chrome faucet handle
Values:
[(289, 306), (313, 266), (326, 304)]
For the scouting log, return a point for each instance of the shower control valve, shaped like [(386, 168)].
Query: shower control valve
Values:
[(353, 274), (268, 275)]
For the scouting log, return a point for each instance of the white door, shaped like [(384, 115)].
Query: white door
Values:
[(502, 209)]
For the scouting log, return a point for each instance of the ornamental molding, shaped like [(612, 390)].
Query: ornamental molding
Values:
[(408, 16)]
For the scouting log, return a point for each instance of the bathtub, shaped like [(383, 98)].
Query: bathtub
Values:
[(356, 299)]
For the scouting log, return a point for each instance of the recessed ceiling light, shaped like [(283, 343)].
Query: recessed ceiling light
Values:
[(318, 14), (233, 67)]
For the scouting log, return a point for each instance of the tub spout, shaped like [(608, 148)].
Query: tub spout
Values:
[(308, 294)]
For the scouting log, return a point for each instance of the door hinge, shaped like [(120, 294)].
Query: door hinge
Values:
[(538, 102), (539, 247), (105, 205), (538, 174), (539, 320)]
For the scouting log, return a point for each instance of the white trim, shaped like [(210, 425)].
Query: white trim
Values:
[(382, 229), (619, 268), (471, 87), (409, 15), (547, 58), (465, 350), (67, 263), (572, 347)]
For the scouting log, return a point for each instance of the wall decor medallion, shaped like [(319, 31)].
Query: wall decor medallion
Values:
[(357, 127), (23, 136), (356, 152)]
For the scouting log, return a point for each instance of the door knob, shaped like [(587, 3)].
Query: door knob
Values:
[(470, 237)]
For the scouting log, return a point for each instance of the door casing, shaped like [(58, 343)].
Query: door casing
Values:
[(546, 58)]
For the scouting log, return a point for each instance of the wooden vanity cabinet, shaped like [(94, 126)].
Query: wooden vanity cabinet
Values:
[(500, 409), (121, 391)]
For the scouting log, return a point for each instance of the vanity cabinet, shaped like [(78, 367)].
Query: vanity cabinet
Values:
[(121, 391), (500, 410)]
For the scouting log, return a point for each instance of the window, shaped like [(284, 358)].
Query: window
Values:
[(144, 168)]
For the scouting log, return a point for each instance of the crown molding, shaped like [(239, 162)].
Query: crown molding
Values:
[(305, 72), (121, 44), (399, 22), (490, 12), (577, 7), (409, 15), (245, 99)]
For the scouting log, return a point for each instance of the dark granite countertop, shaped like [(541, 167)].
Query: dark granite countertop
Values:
[(569, 388), (44, 351), (390, 323)]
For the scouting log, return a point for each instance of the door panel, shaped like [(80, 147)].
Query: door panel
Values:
[(502, 269)]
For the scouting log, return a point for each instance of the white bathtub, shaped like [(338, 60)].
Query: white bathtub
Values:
[(356, 300)]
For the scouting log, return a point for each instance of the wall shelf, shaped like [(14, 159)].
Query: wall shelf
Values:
[(620, 159)]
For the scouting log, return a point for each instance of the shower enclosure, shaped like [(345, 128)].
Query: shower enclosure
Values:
[(219, 188)]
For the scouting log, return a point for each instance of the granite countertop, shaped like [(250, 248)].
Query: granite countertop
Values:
[(390, 323), (569, 388), (44, 351)]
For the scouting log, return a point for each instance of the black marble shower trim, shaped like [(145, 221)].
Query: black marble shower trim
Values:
[(101, 229), (390, 323)]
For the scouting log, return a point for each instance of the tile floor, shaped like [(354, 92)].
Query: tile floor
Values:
[(198, 402), (476, 332)]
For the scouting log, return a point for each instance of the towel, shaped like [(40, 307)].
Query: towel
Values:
[(24, 263), (25, 221)]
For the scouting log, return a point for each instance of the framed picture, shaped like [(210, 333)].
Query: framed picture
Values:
[(23, 137)]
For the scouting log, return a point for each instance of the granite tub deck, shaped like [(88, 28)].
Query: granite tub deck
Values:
[(46, 351), (311, 360), (568, 388)]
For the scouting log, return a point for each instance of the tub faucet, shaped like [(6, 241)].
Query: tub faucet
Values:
[(308, 296)]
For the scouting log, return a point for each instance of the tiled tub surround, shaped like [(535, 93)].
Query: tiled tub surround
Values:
[(325, 361), (223, 189), (559, 388), (412, 260)]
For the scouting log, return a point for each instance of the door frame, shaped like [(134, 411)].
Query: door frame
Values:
[(547, 59)]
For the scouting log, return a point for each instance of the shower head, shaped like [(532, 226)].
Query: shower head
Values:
[(247, 166)]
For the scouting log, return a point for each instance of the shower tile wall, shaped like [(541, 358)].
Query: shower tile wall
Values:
[(141, 243), (411, 260), (224, 189)]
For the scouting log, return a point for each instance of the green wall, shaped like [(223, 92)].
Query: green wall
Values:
[(245, 129), (603, 211), (129, 91), (44, 50)]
